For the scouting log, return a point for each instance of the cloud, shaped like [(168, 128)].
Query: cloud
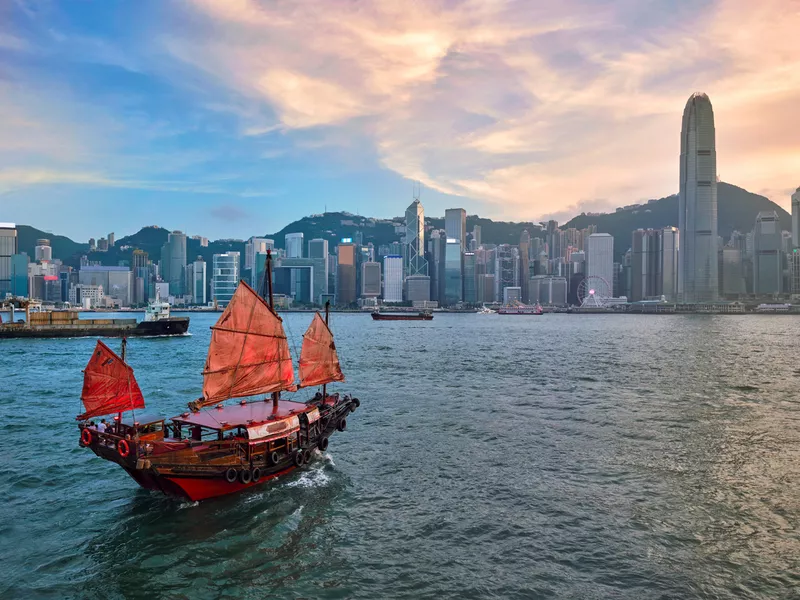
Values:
[(531, 107), (229, 213)]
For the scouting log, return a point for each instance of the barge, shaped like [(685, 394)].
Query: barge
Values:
[(51, 324)]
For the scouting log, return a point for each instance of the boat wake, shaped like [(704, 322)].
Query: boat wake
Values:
[(315, 476)]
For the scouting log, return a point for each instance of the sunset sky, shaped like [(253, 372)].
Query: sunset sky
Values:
[(232, 118)]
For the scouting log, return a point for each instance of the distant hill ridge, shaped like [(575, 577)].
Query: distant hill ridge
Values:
[(737, 209)]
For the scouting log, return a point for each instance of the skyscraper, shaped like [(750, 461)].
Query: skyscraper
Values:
[(393, 278), (524, 264), (42, 250), (346, 274), (600, 259), (453, 286), (294, 245), (768, 263), (796, 219), (415, 240), (697, 203), (173, 262), (197, 280), (646, 264), (225, 277), (253, 246), (370, 279), (8, 248), (455, 225), (670, 262)]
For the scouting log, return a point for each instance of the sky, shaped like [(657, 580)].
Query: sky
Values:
[(231, 118)]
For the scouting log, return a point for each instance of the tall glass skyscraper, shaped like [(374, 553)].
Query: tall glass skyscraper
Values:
[(225, 277), (796, 219), (453, 284), (173, 262), (455, 224), (415, 240), (8, 248), (697, 203)]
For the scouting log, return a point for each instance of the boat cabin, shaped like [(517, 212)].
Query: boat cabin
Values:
[(257, 424), (150, 428)]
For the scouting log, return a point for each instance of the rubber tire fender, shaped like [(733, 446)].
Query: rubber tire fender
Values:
[(230, 475), (357, 402), (307, 456), (298, 458), (245, 476), (274, 458), (256, 473), (323, 444), (342, 424)]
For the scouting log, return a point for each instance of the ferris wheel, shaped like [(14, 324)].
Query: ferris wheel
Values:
[(594, 291)]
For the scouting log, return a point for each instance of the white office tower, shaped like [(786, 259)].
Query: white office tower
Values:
[(393, 278), (600, 259), (697, 203)]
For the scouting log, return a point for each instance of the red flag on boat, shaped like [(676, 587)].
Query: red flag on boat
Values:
[(319, 362), (108, 385), (249, 353)]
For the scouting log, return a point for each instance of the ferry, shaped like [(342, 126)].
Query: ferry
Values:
[(520, 309)]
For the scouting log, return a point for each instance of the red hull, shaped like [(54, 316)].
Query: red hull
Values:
[(197, 488)]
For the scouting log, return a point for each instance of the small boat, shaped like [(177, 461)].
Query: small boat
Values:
[(420, 316), (215, 449), (520, 309), (484, 310)]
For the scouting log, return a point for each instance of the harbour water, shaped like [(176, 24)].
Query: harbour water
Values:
[(567, 456)]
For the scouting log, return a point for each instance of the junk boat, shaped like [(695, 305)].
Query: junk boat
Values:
[(420, 316), (51, 324), (215, 449), (520, 309)]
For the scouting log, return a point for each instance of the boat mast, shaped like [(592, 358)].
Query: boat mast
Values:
[(276, 396), (327, 315), (124, 350)]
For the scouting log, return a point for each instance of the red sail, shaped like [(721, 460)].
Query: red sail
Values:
[(249, 353), (319, 362), (108, 385)]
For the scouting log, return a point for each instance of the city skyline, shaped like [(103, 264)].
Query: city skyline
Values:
[(527, 107)]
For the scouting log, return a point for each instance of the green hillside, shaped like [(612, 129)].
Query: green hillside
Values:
[(736, 210), (63, 247)]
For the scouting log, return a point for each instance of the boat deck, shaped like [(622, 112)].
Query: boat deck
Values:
[(235, 415)]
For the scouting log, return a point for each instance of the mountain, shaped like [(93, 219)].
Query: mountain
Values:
[(62, 246), (736, 210)]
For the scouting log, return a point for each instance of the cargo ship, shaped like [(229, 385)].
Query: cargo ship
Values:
[(420, 316), (50, 324)]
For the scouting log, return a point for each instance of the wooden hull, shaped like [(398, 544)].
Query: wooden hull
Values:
[(199, 488), (197, 471)]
